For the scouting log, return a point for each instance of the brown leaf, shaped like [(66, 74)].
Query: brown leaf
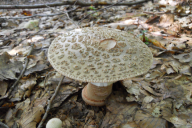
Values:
[(119, 112), (184, 57), (120, 28), (9, 117), (147, 87), (9, 105), (64, 92), (170, 32), (146, 120), (176, 90), (27, 13), (166, 20), (38, 62), (152, 19), (31, 117), (8, 69), (3, 86), (156, 61), (156, 43), (31, 56)]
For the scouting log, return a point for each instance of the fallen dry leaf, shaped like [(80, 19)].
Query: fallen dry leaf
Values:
[(119, 112), (156, 43), (30, 118), (152, 19), (184, 57), (156, 61), (161, 96), (166, 20), (3, 86), (21, 50), (146, 120), (38, 62), (9, 69), (9, 105), (24, 89), (25, 115), (26, 13)]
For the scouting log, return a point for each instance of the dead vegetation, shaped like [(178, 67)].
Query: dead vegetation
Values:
[(161, 98)]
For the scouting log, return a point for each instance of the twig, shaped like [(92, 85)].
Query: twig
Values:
[(72, 20), (165, 50), (40, 15), (4, 125), (22, 72), (161, 13), (73, 4), (70, 2), (46, 77), (158, 12), (45, 80), (49, 103)]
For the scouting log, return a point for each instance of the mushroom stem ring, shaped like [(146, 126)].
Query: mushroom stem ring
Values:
[(95, 95)]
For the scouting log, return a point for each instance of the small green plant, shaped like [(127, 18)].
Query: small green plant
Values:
[(92, 8), (145, 39)]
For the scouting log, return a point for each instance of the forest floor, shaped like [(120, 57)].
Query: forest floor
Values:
[(161, 98)]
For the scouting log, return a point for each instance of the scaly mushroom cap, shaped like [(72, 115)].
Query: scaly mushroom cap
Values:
[(98, 54)]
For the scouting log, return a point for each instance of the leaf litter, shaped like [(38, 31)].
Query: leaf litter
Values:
[(160, 98)]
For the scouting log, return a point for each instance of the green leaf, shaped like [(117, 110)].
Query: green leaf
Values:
[(146, 39), (92, 8)]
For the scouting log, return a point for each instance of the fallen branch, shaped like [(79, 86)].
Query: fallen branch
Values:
[(50, 102), (38, 15), (69, 2)]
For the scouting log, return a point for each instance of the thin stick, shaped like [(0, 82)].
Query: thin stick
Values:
[(73, 4), (36, 15), (72, 20), (22, 72), (49, 103), (165, 50), (70, 2)]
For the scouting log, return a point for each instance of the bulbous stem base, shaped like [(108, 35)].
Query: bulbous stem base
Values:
[(95, 95)]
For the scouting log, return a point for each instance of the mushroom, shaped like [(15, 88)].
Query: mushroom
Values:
[(100, 56), (54, 123)]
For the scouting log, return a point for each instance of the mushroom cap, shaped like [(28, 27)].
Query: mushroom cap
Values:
[(99, 54), (54, 123)]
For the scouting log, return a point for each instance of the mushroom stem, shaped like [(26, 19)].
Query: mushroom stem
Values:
[(96, 95)]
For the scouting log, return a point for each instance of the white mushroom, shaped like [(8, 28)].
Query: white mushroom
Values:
[(54, 123), (100, 56)]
